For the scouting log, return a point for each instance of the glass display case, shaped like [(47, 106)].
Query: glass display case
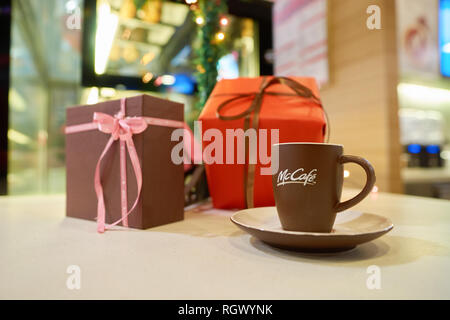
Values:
[(45, 76), (150, 45)]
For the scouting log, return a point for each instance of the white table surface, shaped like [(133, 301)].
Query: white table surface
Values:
[(207, 257)]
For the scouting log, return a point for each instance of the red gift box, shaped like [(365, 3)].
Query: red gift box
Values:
[(288, 104)]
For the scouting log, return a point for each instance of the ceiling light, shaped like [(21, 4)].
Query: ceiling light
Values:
[(220, 36), (93, 96), (168, 80), (106, 30), (18, 137), (199, 20), (224, 21), (147, 77), (428, 96)]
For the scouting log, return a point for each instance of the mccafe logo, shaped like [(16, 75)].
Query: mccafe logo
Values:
[(298, 176)]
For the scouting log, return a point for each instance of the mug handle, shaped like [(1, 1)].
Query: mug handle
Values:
[(370, 182)]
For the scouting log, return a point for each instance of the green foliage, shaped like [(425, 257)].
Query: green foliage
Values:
[(210, 49), (139, 3)]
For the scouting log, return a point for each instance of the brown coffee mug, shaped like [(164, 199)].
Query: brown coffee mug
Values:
[(307, 184)]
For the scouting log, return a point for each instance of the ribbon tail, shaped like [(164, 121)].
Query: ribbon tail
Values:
[(137, 172), (123, 171), (99, 190), (123, 182)]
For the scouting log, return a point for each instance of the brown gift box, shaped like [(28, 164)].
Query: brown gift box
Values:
[(162, 196)]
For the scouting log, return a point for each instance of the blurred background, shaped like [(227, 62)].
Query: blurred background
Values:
[(383, 71)]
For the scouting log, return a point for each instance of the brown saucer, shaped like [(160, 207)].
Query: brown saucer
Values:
[(350, 229)]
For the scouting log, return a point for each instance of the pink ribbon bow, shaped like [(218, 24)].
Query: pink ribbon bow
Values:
[(120, 128)]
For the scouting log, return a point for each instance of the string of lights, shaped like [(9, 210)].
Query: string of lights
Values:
[(211, 20)]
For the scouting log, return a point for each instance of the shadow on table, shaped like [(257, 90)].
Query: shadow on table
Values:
[(389, 250), (203, 222)]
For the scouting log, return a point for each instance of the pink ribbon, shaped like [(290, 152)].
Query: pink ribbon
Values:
[(121, 128)]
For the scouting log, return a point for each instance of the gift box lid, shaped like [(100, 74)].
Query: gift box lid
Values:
[(229, 88), (140, 105)]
